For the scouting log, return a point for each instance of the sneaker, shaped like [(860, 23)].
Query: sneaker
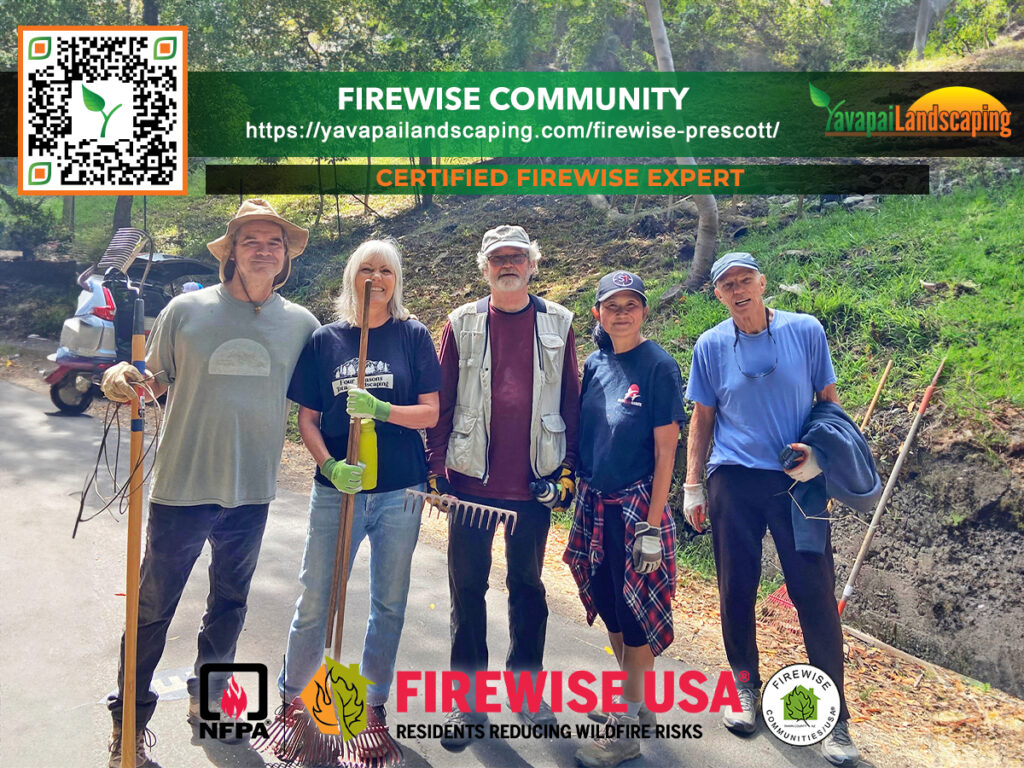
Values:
[(461, 728), (647, 718), (613, 748), (543, 715), (144, 738), (838, 748), (744, 721)]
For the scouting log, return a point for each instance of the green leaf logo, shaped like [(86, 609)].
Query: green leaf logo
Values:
[(818, 97), (800, 704), (95, 103)]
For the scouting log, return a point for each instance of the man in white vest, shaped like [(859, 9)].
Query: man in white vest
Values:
[(509, 416)]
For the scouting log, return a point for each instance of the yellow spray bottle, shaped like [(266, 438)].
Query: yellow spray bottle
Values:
[(368, 454)]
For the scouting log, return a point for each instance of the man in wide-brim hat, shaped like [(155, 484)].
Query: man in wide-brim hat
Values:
[(225, 355)]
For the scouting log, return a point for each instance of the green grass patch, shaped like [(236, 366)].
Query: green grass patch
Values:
[(862, 274)]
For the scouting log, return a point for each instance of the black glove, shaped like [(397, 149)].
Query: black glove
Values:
[(439, 485), (565, 487)]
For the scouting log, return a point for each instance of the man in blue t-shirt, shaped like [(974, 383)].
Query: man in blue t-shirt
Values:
[(753, 380)]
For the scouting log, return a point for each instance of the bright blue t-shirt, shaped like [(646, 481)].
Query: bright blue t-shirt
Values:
[(622, 399), (758, 415), (401, 365)]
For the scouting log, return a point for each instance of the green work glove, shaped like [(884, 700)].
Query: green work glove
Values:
[(364, 405), (346, 478)]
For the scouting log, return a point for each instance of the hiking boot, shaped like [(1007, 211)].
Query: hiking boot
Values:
[(144, 738), (543, 715), (744, 721), (461, 728), (614, 747), (647, 718), (838, 747), (195, 718)]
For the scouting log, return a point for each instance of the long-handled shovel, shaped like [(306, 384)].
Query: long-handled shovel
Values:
[(889, 486)]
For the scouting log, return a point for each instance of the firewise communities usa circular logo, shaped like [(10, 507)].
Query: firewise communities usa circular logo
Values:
[(800, 704)]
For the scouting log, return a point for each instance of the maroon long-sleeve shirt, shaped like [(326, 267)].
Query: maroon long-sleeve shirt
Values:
[(511, 340)]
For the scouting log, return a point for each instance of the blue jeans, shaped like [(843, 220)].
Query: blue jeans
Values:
[(393, 531), (174, 540)]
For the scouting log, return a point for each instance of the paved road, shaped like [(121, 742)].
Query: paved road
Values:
[(62, 616)]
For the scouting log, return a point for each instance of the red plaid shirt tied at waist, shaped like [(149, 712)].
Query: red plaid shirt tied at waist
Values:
[(649, 596)]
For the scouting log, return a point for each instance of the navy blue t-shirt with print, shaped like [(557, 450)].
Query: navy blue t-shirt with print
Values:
[(401, 365), (623, 398)]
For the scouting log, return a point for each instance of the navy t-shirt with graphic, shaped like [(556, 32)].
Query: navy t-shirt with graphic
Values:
[(623, 398), (401, 365)]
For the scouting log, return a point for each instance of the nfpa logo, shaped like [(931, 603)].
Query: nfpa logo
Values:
[(243, 705)]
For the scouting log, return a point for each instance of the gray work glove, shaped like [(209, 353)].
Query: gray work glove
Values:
[(646, 548)]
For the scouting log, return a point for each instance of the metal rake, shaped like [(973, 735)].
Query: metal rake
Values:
[(464, 512)]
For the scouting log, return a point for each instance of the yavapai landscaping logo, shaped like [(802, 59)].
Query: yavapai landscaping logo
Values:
[(953, 111), (336, 698), (800, 704)]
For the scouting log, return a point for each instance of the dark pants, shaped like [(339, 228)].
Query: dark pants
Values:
[(609, 580), (742, 503), (469, 565), (174, 539)]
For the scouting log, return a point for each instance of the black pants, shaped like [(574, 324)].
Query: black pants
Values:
[(174, 540), (609, 578), (469, 565), (742, 504)]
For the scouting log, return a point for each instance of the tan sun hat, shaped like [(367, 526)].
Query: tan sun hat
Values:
[(257, 210)]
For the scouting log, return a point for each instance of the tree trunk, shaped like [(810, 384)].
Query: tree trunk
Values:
[(123, 211), (428, 197), (150, 12), (707, 206), (928, 12)]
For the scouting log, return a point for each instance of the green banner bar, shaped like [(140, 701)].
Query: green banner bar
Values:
[(566, 179), (602, 114)]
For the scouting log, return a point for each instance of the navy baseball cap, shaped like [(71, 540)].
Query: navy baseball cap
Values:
[(619, 280), (730, 260)]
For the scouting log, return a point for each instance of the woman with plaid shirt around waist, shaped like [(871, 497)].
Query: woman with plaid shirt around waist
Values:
[(621, 548)]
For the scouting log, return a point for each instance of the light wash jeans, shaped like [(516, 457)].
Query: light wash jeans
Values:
[(393, 532)]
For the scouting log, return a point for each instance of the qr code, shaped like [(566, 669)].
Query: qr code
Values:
[(102, 110)]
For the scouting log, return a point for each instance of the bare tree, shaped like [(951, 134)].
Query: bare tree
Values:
[(707, 206)]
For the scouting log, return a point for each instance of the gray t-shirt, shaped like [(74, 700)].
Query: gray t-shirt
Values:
[(228, 369)]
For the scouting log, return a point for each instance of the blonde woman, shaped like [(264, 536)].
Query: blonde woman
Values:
[(400, 394)]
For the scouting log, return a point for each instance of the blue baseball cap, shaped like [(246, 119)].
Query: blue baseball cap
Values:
[(730, 260), (619, 280)]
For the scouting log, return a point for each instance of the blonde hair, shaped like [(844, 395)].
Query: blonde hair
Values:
[(346, 305)]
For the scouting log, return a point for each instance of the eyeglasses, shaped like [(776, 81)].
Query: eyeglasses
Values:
[(775, 346), (516, 259)]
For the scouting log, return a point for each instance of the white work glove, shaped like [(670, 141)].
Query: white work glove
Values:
[(646, 548), (695, 505), (808, 468), (118, 380)]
